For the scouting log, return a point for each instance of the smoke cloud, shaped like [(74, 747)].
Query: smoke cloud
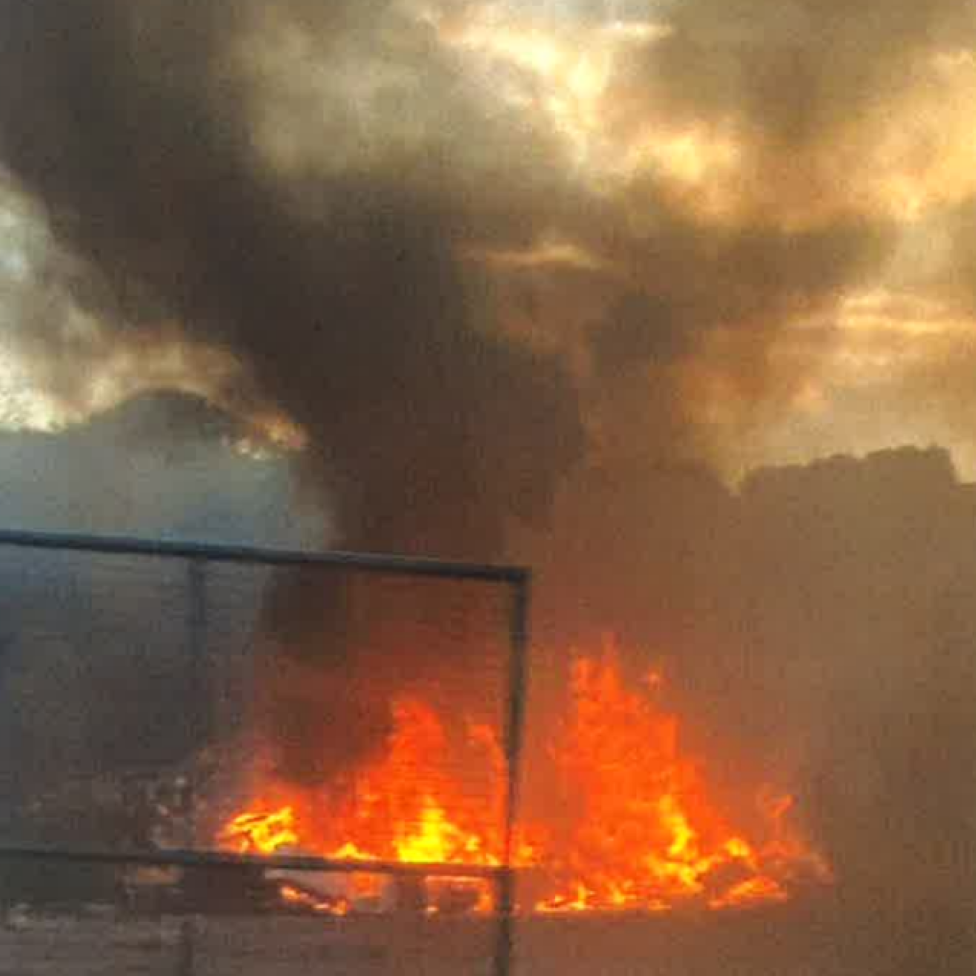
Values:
[(527, 280), (87, 688), (341, 296), (339, 292), (815, 628)]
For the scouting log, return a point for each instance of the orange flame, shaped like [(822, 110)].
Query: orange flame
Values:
[(645, 836), (649, 836), (261, 833), (296, 896)]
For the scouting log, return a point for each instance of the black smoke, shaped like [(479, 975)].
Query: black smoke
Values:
[(342, 296), (346, 303), (818, 623)]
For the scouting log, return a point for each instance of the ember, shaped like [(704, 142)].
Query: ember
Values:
[(263, 833), (647, 836)]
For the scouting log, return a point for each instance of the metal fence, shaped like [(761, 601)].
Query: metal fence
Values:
[(153, 692)]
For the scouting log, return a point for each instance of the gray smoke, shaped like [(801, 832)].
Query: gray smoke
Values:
[(96, 650), (816, 628)]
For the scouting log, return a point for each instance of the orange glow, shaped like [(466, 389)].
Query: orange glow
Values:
[(295, 896), (649, 836), (750, 892), (261, 833), (641, 832)]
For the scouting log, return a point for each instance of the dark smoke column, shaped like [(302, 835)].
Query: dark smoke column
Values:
[(340, 295)]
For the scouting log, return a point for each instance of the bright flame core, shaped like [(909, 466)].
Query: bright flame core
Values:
[(643, 834)]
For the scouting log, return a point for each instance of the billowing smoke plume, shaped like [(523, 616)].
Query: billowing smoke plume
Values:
[(502, 260), (339, 292)]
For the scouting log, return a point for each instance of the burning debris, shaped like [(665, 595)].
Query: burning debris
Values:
[(643, 833)]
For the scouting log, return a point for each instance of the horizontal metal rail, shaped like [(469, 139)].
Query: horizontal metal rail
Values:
[(366, 562), (225, 860)]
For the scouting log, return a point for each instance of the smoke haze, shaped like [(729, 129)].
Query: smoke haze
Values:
[(539, 282)]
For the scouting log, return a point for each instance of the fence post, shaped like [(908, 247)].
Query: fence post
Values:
[(518, 672), (203, 719)]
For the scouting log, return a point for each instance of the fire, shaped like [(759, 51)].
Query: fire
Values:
[(262, 833), (750, 891), (648, 835), (642, 831), (405, 807), (293, 895)]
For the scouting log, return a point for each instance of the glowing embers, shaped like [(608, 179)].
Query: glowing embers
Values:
[(641, 830), (261, 833), (301, 898), (332, 893)]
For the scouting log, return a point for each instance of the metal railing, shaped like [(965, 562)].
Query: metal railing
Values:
[(20, 548)]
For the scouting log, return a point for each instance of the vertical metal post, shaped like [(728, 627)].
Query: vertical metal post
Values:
[(203, 721), (185, 960), (518, 672), (197, 645)]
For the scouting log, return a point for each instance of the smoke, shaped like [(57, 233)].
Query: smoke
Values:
[(815, 628), (328, 199), (337, 291), (339, 294), (856, 594), (523, 280), (87, 687), (803, 69)]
